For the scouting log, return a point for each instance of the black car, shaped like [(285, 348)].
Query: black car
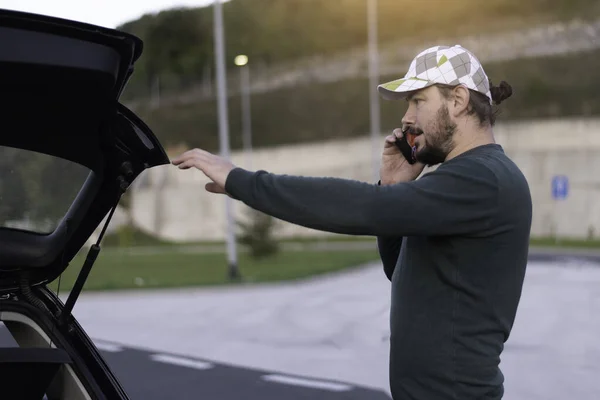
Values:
[(68, 151)]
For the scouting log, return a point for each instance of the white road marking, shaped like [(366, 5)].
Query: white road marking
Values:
[(288, 380), (183, 362), (109, 347)]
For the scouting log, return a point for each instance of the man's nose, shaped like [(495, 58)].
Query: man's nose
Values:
[(408, 119)]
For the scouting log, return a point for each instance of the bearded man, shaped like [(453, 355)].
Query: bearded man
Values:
[(454, 242)]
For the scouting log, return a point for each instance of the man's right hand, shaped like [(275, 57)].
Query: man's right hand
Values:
[(394, 167)]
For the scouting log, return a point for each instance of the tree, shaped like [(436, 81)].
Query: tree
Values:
[(13, 197), (36, 187), (257, 234)]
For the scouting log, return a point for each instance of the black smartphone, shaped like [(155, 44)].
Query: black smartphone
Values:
[(406, 149)]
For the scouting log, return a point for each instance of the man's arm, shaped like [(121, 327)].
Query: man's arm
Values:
[(253, 190), (450, 200)]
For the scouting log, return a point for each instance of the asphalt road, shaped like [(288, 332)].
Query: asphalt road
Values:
[(336, 328), (328, 338), (156, 375), (159, 375)]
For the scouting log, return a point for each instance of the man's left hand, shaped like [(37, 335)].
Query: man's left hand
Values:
[(214, 167)]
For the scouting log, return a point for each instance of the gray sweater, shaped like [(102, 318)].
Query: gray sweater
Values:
[(454, 244)]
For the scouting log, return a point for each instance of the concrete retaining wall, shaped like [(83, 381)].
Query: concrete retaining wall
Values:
[(174, 205)]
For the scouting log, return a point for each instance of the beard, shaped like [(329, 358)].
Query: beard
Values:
[(438, 141)]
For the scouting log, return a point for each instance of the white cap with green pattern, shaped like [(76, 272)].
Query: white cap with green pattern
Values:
[(439, 64)]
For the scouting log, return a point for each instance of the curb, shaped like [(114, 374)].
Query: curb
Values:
[(543, 254)]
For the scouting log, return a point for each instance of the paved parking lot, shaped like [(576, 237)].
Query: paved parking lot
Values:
[(336, 328)]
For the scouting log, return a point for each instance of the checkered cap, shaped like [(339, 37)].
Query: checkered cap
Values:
[(439, 64)]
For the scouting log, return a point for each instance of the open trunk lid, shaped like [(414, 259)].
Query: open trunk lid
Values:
[(68, 148)]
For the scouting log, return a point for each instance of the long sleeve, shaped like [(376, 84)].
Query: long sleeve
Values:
[(449, 200), (389, 250)]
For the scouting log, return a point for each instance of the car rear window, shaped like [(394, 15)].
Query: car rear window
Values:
[(36, 190)]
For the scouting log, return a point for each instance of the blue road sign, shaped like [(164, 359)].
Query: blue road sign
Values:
[(560, 187)]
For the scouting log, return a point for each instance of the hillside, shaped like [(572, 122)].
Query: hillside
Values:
[(179, 42), (543, 87), (315, 87)]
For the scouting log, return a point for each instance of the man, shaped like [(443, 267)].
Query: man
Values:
[(454, 242)]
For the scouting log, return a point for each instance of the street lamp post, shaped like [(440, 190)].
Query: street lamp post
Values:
[(224, 131), (373, 81), (242, 62)]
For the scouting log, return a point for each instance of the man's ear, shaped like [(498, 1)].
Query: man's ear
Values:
[(460, 102)]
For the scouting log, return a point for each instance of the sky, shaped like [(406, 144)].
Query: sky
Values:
[(106, 13)]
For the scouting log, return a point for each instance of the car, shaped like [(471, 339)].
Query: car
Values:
[(69, 150)]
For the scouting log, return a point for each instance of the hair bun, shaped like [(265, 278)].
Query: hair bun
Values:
[(500, 93)]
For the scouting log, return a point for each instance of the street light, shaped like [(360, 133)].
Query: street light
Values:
[(224, 130), (242, 62), (373, 81)]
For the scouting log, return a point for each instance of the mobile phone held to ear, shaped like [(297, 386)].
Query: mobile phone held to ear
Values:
[(407, 150)]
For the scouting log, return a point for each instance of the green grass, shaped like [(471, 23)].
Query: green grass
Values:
[(138, 238), (168, 268), (117, 269)]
